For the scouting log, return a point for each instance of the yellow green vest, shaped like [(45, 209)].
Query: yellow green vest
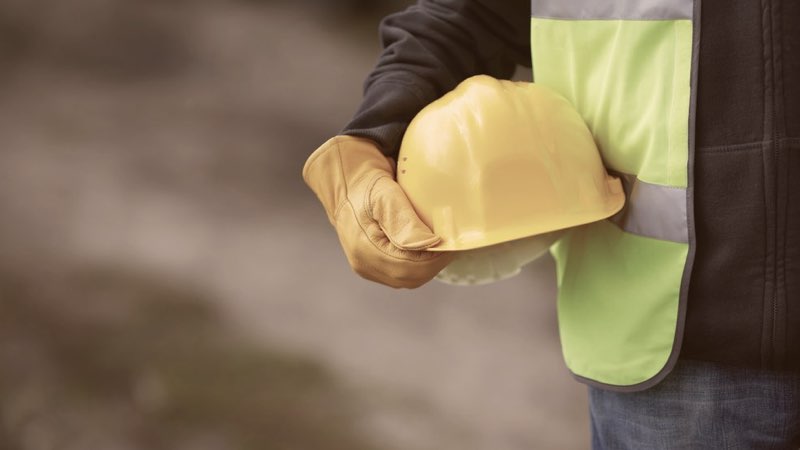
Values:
[(629, 67)]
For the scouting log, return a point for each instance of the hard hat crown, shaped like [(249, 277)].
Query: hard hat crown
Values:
[(493, 161)]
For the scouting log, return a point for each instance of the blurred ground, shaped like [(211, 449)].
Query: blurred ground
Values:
[(166, 281)]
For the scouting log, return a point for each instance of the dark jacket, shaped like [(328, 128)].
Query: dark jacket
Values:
[(744, 293)]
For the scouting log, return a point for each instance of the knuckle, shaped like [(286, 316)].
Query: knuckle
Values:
[(413, 278), (391, 266), (414, 284)]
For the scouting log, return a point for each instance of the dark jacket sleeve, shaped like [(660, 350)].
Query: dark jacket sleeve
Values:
[(427, 50)]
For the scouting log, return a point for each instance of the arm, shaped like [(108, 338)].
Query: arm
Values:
[(428, 49)]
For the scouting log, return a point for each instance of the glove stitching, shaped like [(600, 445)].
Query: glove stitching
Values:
[(368, 198), (338, 210), (344, 178)]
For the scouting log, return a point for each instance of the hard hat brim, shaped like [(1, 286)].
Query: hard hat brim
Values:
[(475, 239)]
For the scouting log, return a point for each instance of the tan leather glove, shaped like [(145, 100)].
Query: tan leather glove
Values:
[(381, 234)]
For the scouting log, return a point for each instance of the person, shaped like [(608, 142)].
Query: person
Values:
[(682, 314)]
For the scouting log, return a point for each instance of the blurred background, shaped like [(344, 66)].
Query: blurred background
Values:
[(168, 282)]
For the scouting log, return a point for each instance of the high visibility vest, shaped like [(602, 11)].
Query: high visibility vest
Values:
[(630, 69)]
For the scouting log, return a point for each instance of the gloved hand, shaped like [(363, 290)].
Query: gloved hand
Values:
[(382, 236)]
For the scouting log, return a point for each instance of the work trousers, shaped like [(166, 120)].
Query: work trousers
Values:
[(701, 406)]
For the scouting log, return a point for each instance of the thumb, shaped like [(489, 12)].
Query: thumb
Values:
[(390, 207)]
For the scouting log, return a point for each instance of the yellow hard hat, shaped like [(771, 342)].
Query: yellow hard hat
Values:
[(495, 161)]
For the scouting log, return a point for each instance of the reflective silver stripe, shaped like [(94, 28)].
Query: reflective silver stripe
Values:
[(653, 210), (613, 9)]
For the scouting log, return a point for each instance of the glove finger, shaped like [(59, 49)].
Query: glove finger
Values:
[(389, 206), (404, 273)]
